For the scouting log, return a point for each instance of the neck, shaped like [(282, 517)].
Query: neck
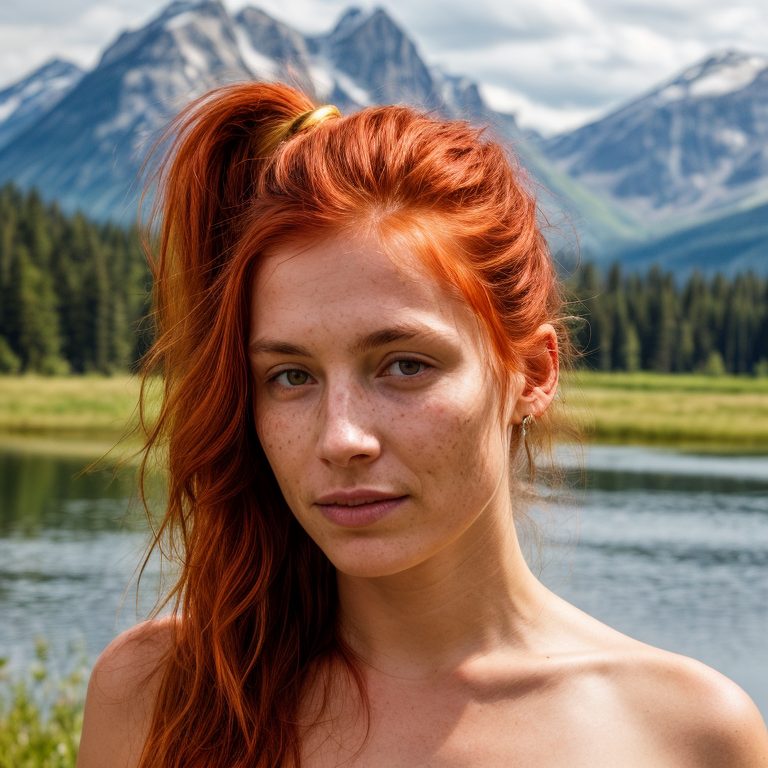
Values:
[(475, 596)]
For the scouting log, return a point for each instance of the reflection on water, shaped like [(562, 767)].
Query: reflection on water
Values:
[(676, 558), (40, 493), (672, 549), (69, 545)]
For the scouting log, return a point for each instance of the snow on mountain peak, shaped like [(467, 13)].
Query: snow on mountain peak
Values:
[(696, 144), (262, 66), (350, 20), (180, 7), (22, 103), (723, 73)]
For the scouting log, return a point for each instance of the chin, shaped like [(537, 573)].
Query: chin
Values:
[(370, 558)]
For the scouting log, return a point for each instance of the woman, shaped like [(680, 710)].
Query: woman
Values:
[(359, 327)]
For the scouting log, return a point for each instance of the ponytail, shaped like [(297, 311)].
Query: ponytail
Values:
[(220, 146)]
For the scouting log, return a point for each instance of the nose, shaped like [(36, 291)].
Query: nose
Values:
[(345, 435)]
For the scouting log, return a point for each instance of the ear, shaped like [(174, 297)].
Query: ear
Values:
[(541, 378)]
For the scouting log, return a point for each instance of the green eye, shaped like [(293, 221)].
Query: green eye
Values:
[(406, 368), (296, 378), (292, 378)]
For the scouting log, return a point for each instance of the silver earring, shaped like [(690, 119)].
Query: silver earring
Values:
[(527, 423), (526, 426)]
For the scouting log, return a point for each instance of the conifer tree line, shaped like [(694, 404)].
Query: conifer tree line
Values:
[(72, 292), (74, 297), (633, 322)]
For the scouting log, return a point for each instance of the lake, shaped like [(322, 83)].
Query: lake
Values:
[(667, 547)]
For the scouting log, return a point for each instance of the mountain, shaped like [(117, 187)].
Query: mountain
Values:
[(728, 244), (25, 102), (366, 59), (375, 60), (86, 151), (694, 147), (273, 50)]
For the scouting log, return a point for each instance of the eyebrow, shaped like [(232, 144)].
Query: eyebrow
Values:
[(372, 341)]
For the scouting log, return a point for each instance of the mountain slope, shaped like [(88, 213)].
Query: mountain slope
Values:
[(273, 50), (373, 53), (25, 102), (730, 244), (695, 145), (87, 150)]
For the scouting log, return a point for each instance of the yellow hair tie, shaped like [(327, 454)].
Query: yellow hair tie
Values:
[(269, 142), (312, 117)]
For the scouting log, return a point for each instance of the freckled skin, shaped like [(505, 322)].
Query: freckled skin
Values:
[(422, 436)]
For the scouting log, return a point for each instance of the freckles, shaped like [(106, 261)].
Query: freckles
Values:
[(276, 434)]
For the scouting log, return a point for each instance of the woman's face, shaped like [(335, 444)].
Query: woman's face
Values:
[(375, 405)]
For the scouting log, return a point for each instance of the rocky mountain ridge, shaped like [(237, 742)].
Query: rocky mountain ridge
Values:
[(87, 149), (691, 154), (25, 102), (693, 147)]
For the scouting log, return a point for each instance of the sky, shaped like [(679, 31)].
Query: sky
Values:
[(556, 64)]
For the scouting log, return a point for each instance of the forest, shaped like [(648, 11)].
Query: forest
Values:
[(74, 298)]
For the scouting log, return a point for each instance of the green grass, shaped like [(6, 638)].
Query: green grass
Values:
[(74, 405), (728, 412), (41, 719), (670, 382)]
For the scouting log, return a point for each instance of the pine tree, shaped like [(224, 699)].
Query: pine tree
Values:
[(664, 314), (68, 288), (33, 304)]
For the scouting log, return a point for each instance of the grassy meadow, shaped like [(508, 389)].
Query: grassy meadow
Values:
[(682, 410), (91, 413), (70, 415)]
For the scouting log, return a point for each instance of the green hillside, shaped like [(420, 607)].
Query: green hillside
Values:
[(731, 244)]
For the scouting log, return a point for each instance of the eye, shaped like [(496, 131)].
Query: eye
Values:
[(406, 368), (291, 378)]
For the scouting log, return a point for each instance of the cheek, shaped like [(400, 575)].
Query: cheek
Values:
[(457, 443), (280, 434)]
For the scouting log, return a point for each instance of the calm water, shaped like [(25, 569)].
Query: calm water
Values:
[(669, 548)]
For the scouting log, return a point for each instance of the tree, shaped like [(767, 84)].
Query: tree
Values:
[(33, 302), (69, 289)]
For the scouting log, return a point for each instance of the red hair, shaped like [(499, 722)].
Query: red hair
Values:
[(255, 596)]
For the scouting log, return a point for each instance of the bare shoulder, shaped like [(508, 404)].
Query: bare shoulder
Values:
[(675, 710), (696, 713), (121, 696)]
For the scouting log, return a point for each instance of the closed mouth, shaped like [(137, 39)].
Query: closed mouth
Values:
[(356, 499), (359, 510)]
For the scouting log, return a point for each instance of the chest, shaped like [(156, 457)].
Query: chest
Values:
[(537, 729)]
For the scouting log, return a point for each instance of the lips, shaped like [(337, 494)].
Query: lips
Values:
[(356, 497), (358, 507)]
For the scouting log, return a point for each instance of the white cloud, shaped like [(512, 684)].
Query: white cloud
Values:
[(532, 114), (79, 37), (555, 61)]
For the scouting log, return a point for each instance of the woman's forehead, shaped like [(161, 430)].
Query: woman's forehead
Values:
[(349, 282)]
